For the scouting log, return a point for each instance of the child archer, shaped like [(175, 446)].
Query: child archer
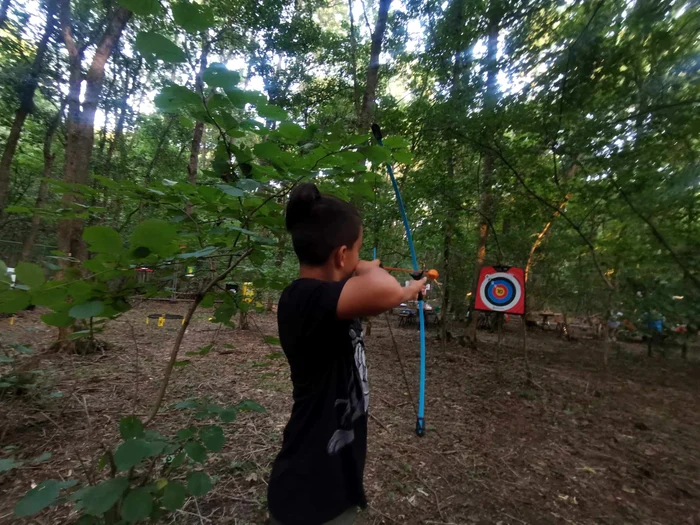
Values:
[(317, 476)]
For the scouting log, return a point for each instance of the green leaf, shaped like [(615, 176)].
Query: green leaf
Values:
[(155, 46), (178, 460), (223, 313), (17, 209), (132, 452), (22, 349), (87, 310), (204, 350), (396, 142), (228, 415), (196, 451), (13, 301), (240, 97), (185, 433), (5, 279), (270, 340), (182, 363), (137, 505), (248, 185), (52, 294), (8, 464), (156, 235), (230, 190), (30, 274), (192, 17), (6, 359), (99, 499), (208, 300), (187, 403), (174, 495), (404, 157), (174, 98), (59, 319), (344, 158), (131, 427), (141, 7), (43, 457), (38, 498), (269, 151), (213, 437), (377, 154), (291, 131), (198, 483), (103, 239), (271, 112), (218, 75), (250, 406)]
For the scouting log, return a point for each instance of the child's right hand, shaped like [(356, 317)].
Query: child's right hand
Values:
[(413, 289)]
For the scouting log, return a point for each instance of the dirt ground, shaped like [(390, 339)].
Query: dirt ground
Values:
[(580, 446)]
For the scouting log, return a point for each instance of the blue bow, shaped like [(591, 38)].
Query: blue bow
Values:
[(420, 420)]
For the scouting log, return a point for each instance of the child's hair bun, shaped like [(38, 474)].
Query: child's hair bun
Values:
[(301, 204)]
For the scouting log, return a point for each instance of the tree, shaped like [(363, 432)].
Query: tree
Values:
[(26, 99)]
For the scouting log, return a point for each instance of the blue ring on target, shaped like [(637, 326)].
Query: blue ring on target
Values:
[(500, 291)]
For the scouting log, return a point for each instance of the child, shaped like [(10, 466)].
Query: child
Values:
[(317, 476)]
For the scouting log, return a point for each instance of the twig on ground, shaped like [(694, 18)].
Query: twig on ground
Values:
[(514, 518), (376, 420), (199, 512), (375, 509)]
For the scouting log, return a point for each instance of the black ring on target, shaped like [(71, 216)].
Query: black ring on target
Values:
[(500, 291)]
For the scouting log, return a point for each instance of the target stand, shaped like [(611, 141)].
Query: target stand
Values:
[(501, 289)]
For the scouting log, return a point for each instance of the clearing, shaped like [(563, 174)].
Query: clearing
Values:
[(580, 446)]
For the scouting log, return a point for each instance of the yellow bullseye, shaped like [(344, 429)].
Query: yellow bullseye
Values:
[(499, 291)]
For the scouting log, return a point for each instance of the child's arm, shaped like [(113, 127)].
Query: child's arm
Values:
[(373, 291)]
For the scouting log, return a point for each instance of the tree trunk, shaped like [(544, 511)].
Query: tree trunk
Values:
[(80, 124), (447, 243), (196, 145), (47, 173), (80, 129), (541, 237), (26, 103), (486, 205), (3, 12), (118, 140), (373, 68), (353, 64)]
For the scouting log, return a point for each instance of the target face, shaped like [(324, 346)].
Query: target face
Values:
[(501, 290)]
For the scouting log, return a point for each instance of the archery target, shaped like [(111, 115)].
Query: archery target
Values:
[(501, 291)]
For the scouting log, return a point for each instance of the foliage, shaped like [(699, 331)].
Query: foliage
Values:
[(210, 113), (149, 474)]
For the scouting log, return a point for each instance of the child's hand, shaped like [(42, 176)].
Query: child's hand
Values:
[(414, 288), (365, 266)]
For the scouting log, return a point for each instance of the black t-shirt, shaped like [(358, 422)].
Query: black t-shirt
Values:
[(318, 473)]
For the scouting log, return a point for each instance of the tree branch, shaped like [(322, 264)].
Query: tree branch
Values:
[(181, 333), (554, 208), (658, 236)]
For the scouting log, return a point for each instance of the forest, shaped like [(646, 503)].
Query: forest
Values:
[(149, 148)]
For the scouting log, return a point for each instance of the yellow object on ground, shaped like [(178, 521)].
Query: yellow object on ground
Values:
[(248, 292)]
